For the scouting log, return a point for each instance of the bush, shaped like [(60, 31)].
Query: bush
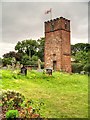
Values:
[(77, 67), (87, 68), (12, 114), (11, 100), (31, 109), (14, 105)]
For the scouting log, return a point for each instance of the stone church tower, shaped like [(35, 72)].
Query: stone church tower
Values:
[(57, 53)]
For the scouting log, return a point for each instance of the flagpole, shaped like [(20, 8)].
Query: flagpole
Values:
[(51, 14)]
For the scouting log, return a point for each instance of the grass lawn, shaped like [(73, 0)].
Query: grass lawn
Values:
[(64, 95)]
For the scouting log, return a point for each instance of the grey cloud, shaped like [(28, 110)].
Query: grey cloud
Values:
[(45, 0), (22, 20)]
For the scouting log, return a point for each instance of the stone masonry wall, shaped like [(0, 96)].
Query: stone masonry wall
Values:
[(57, 44)]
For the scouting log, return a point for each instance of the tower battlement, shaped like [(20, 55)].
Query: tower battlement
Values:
[(57, 19), (57, 24)]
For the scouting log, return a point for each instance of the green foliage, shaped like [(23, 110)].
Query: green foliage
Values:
[(81, 57), (77, 67), (34, 58), (25, 60), (12, 54), (67, 89), (28, 112), (11, 100), (61, 93), (12, 114), (87, 68), (80, 47), (7, 61), (31, 109), (40, 52), (42, 65), (28, 47), (35, 104), (80, 53), (0, 61), (29, 61)]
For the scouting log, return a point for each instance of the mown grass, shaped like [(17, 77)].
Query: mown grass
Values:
[(64, 95)]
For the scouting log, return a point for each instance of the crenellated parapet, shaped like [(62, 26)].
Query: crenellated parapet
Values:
[(57, 24)]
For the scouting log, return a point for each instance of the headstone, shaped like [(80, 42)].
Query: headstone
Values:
[(24, 70), (8, 67), (13, 63), (88, 73), (49, 71), (17, 65), (5, 67), (39, 64), (13, 66), (82, 72)]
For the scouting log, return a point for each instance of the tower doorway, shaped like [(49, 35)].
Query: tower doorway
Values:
[(54, 65)]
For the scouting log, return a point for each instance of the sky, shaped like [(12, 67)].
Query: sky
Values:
[(25, 20)]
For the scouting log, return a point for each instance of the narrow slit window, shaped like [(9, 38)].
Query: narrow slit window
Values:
[(52, 27), (66, 25)]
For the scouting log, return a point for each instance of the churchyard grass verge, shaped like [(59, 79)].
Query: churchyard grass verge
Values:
[(64, 95)]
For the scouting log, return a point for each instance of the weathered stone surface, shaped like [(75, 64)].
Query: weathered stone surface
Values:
[(57, 53)]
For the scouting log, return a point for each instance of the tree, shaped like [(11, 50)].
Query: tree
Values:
[(87, 68), (7, 61), (81, 57), (80, 47), (40, 52), (29, 61), (25, 60), (0, 61), (77, 67), (81, 52), (12, 54), (28, 47)]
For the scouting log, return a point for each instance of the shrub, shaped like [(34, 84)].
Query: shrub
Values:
[(11, 100), (31, 112), (77, 67), (28, 112), (87, 68), (12, 114), (14, 105)]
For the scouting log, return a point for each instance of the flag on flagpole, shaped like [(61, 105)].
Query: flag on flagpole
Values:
[(48, 11)]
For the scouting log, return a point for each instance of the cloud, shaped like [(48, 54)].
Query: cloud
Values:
[(6, 47), (24, 20), (45, 0)]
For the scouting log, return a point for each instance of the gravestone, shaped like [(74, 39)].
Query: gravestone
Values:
[(24, 70), (8, 67), (39, 64), (13, 66), (82, 72), (17, 65), (13, 63), (49, 71)]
